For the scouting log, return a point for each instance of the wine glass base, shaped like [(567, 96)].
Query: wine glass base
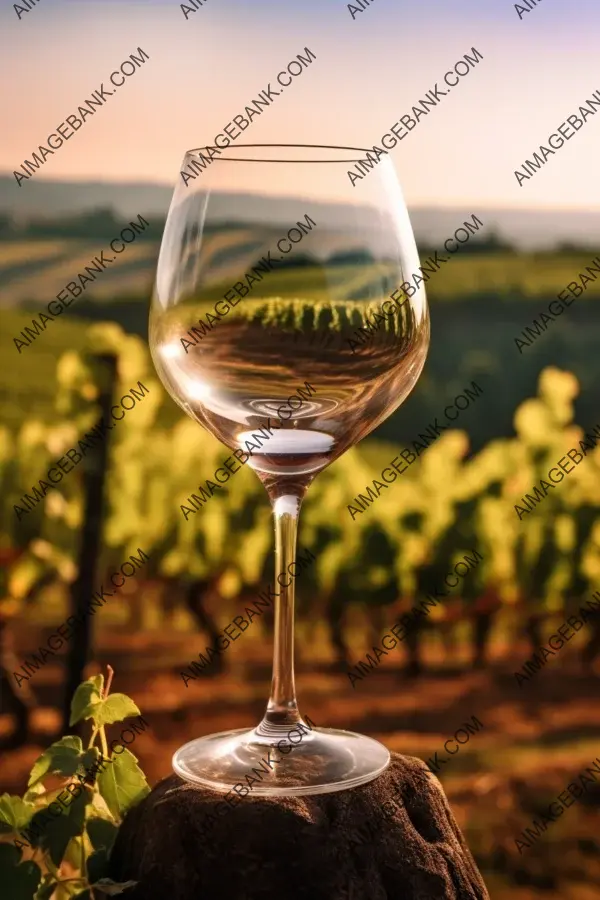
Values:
[(278, 764)]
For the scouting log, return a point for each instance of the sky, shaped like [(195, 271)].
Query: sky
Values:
[(369, 71)]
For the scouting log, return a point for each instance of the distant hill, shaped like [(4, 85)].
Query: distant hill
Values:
[(54, 198), (525, 228)]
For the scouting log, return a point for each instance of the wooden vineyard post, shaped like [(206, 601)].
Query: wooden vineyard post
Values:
[(94, 477)]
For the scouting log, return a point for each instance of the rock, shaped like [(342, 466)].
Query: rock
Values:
[(392, 839)]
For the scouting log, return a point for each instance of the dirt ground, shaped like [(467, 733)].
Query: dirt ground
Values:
[(534, 740)]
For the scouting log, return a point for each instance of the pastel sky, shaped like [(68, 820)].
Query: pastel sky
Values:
[(369, 71)]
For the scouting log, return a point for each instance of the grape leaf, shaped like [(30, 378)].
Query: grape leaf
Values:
[(14, 813), (99, 806), (89, 761), (97, 865), (72, 854), (57, 832), (9, 856), (85, 698), (33, 792), (101, 832), (19, 882), (22, 882), (115, 708), (47, 888), (61, 758), (113, 888), (122, 784)]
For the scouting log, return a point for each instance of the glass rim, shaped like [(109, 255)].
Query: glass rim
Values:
[(221, 158)]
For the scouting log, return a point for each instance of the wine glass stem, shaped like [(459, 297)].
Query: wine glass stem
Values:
[(282, 708)]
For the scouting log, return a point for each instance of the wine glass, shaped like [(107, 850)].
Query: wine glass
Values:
[(286, 321)]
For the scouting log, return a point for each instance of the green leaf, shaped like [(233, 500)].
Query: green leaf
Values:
[(14, 814), (115, 708), (9, 856), (47, 888), (100, 808), (101, 833), (34, 792), (57, 832), (72, 854), (61, 758), (122, 784), (85, 698), (19, 882), (97, 865), (112, 888), (89, 760)]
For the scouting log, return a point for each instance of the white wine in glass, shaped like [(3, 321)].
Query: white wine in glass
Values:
[(278, 310)]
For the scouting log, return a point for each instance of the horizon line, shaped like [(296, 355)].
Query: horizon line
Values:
[(453, 204)]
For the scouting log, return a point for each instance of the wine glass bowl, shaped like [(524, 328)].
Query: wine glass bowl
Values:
[(283, 320)]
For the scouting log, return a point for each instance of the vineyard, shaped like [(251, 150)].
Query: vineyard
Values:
[(538, 564), (450, 502)]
